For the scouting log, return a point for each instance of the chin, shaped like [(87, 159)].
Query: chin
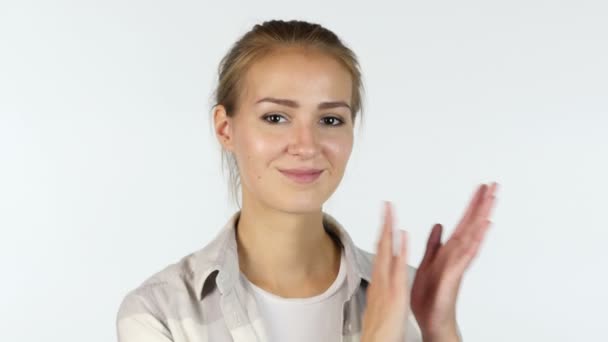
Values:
[(297, 202)]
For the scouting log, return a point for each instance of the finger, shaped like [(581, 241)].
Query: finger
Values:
[(467, 251), (477, 212), (484, 212), (384, 253), (467, 255), (432, 246), (479, 221), (482, 230), (474, 204), (400, 266)]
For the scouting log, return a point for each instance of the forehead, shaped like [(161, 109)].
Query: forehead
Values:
[(305, 74)]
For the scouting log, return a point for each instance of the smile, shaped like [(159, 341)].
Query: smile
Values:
[(302, 177)]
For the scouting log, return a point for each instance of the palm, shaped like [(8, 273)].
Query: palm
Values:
[(435, 288)]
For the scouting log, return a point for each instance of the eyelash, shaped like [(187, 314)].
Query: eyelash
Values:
[(265, 117)]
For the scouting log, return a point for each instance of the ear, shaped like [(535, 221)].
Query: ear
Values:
[(223, 127)]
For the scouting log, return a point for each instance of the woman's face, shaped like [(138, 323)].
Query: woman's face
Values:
[(293, 114)]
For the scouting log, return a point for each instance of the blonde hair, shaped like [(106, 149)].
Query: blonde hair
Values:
[(260, 41)]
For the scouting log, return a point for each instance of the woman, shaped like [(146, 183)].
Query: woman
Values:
[(281, 269)]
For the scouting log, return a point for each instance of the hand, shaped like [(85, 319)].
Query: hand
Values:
[(439, 275), (388, 294)]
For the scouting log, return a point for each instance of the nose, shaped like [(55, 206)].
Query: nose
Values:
[(304, 141)]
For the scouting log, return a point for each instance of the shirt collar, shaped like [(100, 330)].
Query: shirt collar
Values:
[(221, 255)]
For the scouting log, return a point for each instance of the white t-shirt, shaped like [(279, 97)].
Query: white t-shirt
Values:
[(316, 318)]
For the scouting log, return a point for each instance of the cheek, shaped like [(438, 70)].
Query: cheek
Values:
[(338, 149), (257, 150)]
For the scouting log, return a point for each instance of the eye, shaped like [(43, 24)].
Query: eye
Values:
[(274, 118), (333, 121)]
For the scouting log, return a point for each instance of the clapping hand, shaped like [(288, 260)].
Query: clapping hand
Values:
[(437, 281), (438, 278), (388, 294)]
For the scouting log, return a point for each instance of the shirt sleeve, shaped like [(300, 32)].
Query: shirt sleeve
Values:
[(137, 321)]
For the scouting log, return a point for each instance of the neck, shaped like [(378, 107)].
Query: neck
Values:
[(288, 254)]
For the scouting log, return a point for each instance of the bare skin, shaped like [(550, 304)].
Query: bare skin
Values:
[(435, 289), (387, 296), (282, 245)]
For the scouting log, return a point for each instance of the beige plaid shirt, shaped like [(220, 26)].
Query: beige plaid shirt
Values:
[(201, 298)]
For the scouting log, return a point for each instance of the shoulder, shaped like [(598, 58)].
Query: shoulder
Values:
[(157, 293), (174, 290)]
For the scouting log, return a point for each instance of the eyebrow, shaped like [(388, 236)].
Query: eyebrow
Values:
[(294, 104)]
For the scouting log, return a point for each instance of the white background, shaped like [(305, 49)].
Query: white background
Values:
[(109, 170)]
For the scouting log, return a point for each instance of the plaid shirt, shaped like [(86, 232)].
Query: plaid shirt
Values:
[(201, 298)]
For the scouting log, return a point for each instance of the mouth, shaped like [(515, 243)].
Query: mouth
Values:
[(302, 176)]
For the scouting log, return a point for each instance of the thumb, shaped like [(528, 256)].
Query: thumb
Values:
[(433, 244)]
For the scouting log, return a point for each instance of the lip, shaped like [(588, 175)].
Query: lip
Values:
[(302, 176)]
